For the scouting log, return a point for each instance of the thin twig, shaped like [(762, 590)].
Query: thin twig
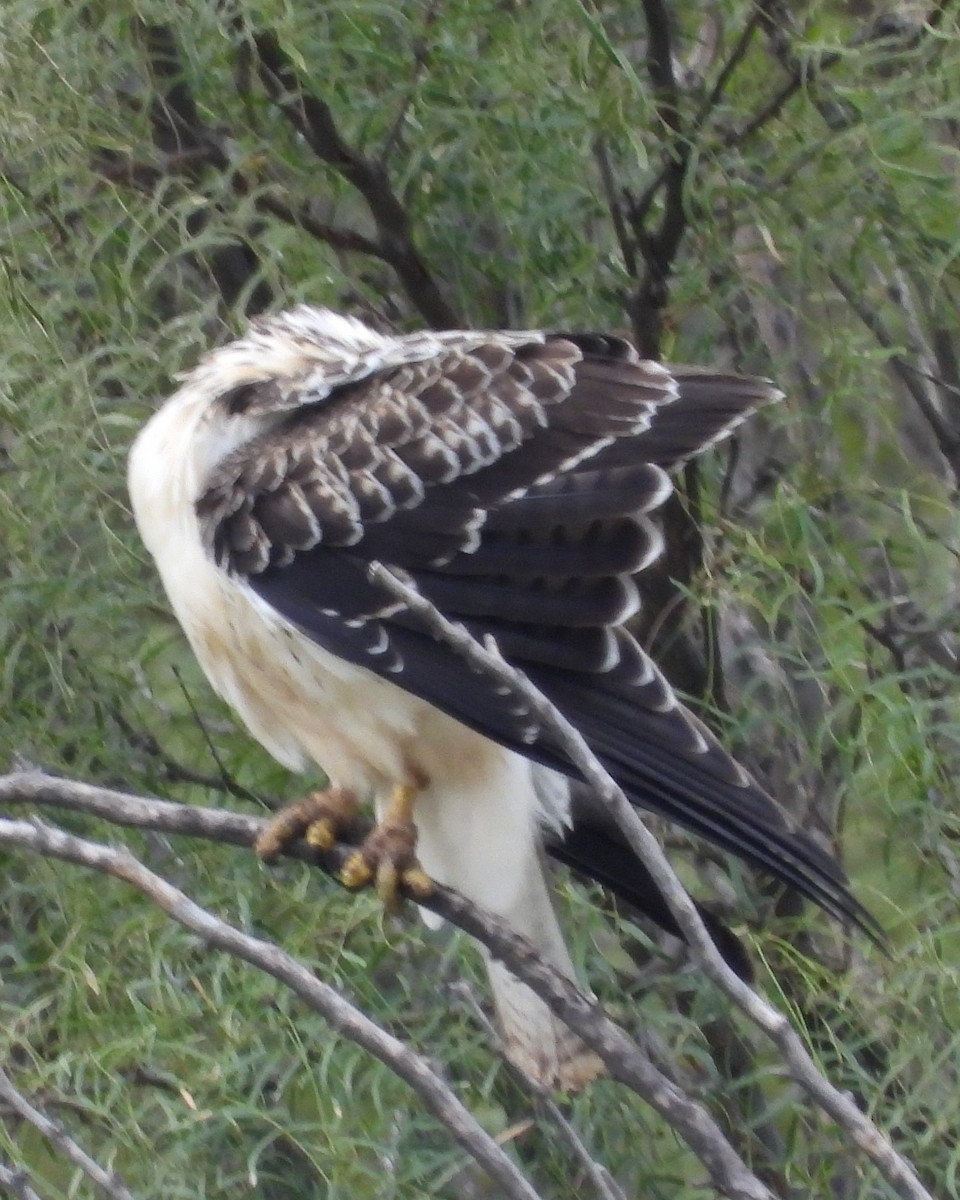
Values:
[(947, 437), (894, 1168), (227, 779), (106, 1181), (332, 235), (314, 121), (623, 1059), (625, 240), (348, 1021), (737, 56), (604, 1184), (17, 1183), (177, 772)]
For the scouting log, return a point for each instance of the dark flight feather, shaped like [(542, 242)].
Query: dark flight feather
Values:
[(511, 484)]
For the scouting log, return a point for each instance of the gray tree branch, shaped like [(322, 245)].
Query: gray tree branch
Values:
[(856, 1124), (605, 1186), (624, 1060), (107, 1181), (17, 1183), (323, 999)]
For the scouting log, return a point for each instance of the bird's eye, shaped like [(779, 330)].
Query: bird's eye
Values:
[(239, 399)]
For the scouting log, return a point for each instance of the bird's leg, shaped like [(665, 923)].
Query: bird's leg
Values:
[(388, 853), (320, 818)]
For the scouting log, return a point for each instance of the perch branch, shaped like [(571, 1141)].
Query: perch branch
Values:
[(624, 1060), (348, 1021)]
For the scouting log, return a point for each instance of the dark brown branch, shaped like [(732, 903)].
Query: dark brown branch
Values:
[(641, 207), (333, 235), (803, 72), (660, 248), (948, 439), (146, 177), (660, 63), (737, 55), (628, 249), (314, 121), (63, 1143)]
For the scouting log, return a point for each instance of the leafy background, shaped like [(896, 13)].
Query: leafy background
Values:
[(801, 222)]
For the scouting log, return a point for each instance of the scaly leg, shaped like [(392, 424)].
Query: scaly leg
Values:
[(388, 853), (321, 818)]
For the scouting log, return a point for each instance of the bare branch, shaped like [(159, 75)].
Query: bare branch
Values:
[(624, 1060), (605, 1186), (348, 1021), (864, 1134), (17, 1182), (106, 1181), (313, 120), (948, 439)]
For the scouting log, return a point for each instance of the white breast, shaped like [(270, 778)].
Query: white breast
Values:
[(299, 701)]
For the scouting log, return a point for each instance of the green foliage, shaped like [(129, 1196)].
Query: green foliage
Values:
[(188, 1071)]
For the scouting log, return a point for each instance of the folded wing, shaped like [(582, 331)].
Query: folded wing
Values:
[(513, 484)]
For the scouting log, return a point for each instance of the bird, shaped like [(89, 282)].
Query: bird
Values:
[(513, 479)]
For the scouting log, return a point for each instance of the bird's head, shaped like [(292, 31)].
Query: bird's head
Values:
[(243, 389)]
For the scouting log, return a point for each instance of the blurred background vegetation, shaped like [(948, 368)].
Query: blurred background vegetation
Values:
[(768, 186)]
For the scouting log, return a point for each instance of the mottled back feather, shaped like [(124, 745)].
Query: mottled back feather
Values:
[(512, 479)]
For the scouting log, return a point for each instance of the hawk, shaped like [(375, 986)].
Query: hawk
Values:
[(513, 478)]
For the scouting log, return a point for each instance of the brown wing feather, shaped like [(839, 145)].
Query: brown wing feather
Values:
[(510, 481), (379, 446)]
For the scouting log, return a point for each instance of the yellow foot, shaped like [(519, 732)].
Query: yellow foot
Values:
[(388, 857), (321, 818)]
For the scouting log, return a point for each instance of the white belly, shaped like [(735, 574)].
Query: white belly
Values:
[(476, 808)]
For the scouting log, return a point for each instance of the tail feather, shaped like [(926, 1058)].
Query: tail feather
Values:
[(479, 833), (535, 1039)]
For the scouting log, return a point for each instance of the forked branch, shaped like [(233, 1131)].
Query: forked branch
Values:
[(624, 1060)]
